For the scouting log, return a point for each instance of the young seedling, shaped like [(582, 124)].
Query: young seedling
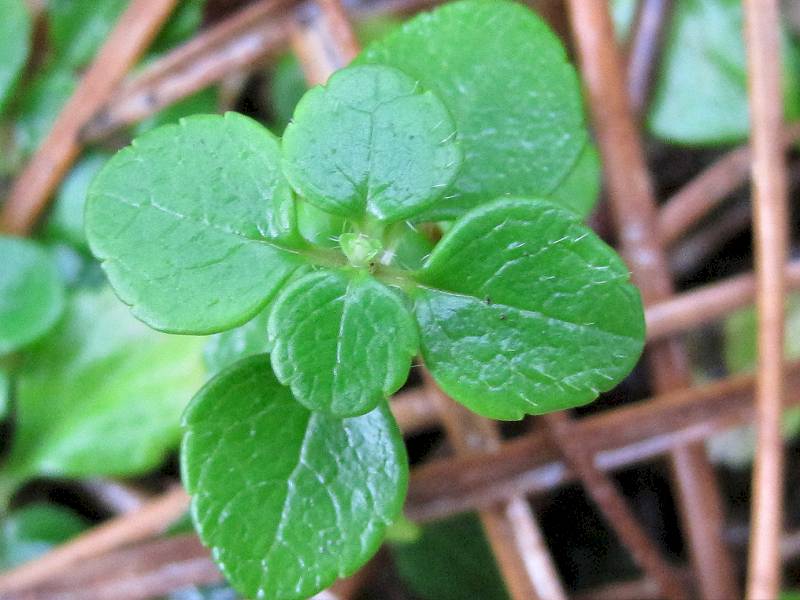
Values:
[(293, 459)]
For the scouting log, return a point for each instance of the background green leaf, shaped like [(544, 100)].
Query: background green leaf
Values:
[(700, 96), (15, 32), (31, 531), (504, 76), (342, 342), (65, 222), (180, 221), (450, 561), (370, 142), (228, 347), (287, 499), (78, 29), (39, 105), (102, 394), (524, 310), (31, 293)]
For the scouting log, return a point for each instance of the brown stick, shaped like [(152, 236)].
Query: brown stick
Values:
[(147, 570), (620, 438), (612, 504), (704, 193), (131, 36), (322, 39), (510, 525), (149, 520), (696, 248), (644, 50), (238, 42), (633, 208), (707, 303), (770, 218)]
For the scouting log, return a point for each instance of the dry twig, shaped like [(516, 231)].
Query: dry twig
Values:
[(633, 209), (770, 218), (131, 36)]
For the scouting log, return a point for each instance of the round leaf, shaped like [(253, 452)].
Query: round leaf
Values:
[(371, 141), (524, 310), (515, 99), (341, 342), (31, 293), (287, 499), (15, 30), (180, 220)]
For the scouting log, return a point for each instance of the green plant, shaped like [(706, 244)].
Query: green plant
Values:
[(293, 459)]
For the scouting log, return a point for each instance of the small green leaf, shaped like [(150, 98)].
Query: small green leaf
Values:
[(15, 31), (288, 500), (228, 347), (371, 142), (515, 99), (341, 342), (78, 29), (450, 561), (65, 222), (102, 394), (31, 293), (524, 310), (29, 532), (700, 96), (180, 221)]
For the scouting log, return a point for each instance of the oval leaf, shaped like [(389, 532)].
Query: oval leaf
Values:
[(31, 293), (524, 310), (342, 343), (371, 141), (515, 99), (288, 500), (180, 221)]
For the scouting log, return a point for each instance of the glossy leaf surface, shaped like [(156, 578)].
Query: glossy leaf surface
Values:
[(525, 310), (180, 221), (371, 142), (31, 293), (515, 99), (341, 342), (288, 500)]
